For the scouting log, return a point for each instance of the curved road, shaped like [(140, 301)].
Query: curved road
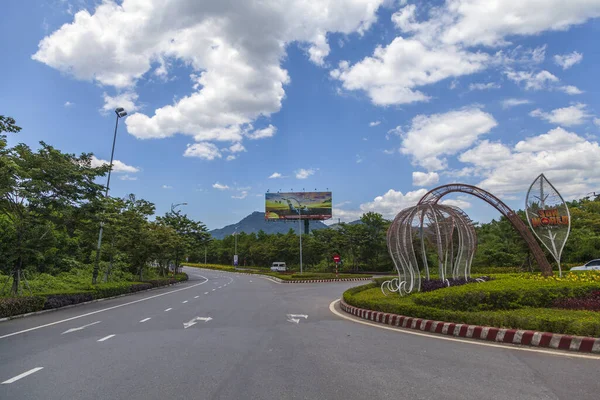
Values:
[(229, 336)]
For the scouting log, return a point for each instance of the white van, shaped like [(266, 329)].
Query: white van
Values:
[(278, 267)]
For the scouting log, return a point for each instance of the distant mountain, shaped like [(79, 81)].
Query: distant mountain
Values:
[(256, 221), (338, 226)]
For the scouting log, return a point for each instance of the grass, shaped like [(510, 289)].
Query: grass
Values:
[(509, 301), (283, 276)]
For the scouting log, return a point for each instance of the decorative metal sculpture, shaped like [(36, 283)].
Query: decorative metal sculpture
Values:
[(447, 228), (548, 216)]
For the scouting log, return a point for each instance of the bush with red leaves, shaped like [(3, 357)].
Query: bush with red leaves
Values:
[(591, 302)]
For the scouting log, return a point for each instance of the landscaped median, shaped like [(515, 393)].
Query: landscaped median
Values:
[(14, 306), (511, 308), (306, 277)]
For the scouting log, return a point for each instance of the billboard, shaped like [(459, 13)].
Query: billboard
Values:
[(294, 205)]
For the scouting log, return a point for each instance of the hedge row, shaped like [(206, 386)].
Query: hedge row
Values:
[(10, 306), (431, 306)]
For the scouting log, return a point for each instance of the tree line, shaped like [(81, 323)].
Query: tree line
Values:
[(51, 208)]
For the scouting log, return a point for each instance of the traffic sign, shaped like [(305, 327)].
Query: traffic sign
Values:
[(337, 258)]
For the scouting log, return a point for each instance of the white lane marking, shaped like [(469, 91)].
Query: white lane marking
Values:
[(214, 290), (453, 339), (220, 287), (205, 292), (168, 309), (250, 281), (80, 328), (196, 297), (23, 375), (185, 301), (145, 319), (99, 311), (194, 321), (105, 338), (295, 318)]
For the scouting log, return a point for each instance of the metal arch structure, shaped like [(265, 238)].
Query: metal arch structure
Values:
[(447, 228), (434, 196)]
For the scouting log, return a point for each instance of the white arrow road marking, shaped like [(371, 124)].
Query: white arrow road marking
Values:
[(145, 319), (105, 338), (194, 321), (80, 328), (295, 318), (23, 375)]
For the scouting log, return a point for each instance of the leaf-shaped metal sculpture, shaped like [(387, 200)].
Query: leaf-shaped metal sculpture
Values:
[(548, 216)]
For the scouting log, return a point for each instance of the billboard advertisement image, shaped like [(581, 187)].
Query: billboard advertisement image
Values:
[(294, 205)]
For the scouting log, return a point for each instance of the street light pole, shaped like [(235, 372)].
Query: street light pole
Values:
[(173, 207), (120, 114)]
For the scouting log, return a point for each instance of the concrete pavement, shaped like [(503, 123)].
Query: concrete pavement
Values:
[(138, 347)]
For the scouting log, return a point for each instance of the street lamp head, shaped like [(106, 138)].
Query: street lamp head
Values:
[(120, 111)]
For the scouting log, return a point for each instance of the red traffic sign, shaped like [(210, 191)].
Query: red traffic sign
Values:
[(337, 258)]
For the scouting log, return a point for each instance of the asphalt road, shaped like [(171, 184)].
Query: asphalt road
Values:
[(257, 344)]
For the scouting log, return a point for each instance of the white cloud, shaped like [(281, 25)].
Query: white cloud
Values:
[(484, 86), (567, 116), (569, 89), (462, 204), (532, 81), (597, 121), (219, 186), (508, 103), (127, 100), (275, 175), (230, 157), (305, 173), (566, 61), (234, 48), (267, 132), (118, 166), (167, 187), (128, 178), (358, 159), (69, 104), (392, 202), (204, 150), (243, 194), (567, 159), (425, 178), (430, 137), (237, 148), (393, 73), (374, 123)]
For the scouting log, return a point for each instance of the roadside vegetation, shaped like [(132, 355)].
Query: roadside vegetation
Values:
[(520, 301)]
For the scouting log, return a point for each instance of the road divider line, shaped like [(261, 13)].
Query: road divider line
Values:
[(205, 292), (102, 310), (21, 376), (168, 309), (183, 302), (196, 297), (105, 338), (214, 290), (346, 316), (145, 319)]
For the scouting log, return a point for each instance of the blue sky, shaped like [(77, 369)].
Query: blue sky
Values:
[(377, 101)]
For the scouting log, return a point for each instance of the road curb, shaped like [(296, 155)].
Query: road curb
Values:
[(86, 302), (579, 344), (287, 281)]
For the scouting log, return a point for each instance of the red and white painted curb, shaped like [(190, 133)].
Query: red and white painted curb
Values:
[(501, 335)]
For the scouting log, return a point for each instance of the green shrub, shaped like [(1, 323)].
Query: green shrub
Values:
[(20, 305), (65, 299), (585, 323)]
